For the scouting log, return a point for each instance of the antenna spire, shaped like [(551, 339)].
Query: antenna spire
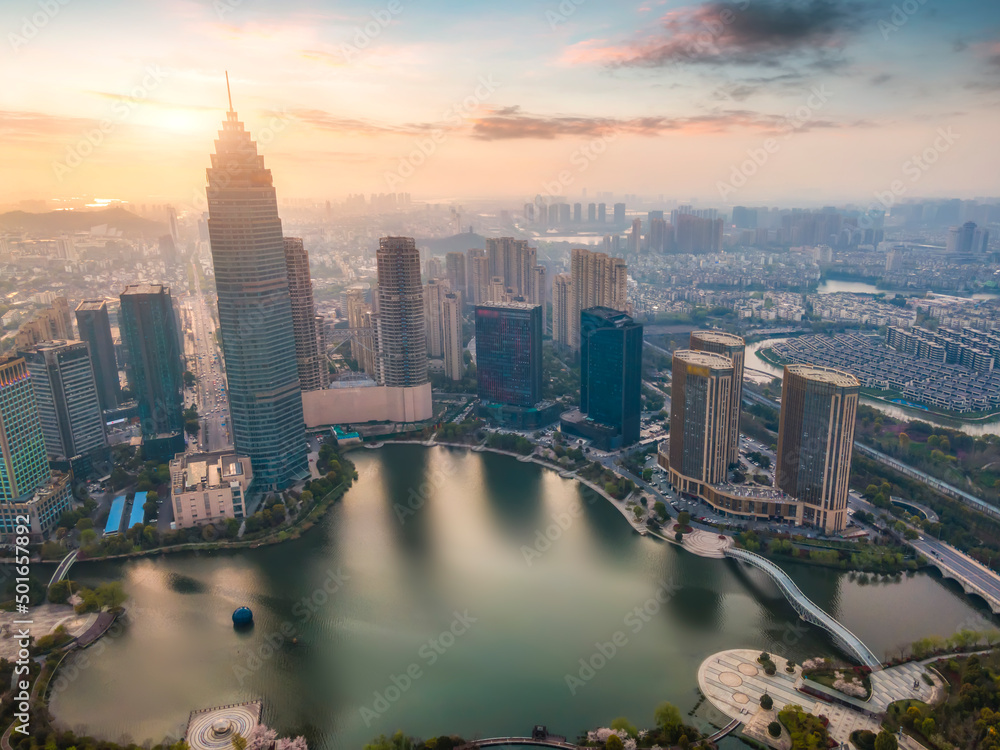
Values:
[(228, 92)]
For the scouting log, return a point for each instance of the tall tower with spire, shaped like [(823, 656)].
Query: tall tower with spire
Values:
[(255, 311)]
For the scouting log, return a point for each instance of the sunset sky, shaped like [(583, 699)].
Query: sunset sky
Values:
[(639, 97)]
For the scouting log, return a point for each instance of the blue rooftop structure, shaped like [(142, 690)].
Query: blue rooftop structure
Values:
[(137, 512), (114, 524)]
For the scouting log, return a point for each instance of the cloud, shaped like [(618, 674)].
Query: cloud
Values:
[(36, 127), (352, 126), (735, 32), (511, 123)]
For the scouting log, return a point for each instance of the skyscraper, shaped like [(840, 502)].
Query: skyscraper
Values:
[(700, 397), (511, 260), (69, 410), (537, 293), (451, 322), (509, 353), (478, 277), (402, 337), (732, 346), (620, 215), (95, 328), (598, 281), (360, 320), (455, 271), (309, 358), (27, 487), (562, 309), (816, 440), (611, 370), (434, 291), (255, 310), (149, 333)]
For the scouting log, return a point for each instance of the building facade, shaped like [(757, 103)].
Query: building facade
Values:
[(509, 353), (611, 370), (451, 322), (454, 264), (149, 333), (816, 441), (209, 487), (700, 399), (598, 281), (69, 409), (255, 310), (562, 309), (310, 358), (402, 336), (94, 325), (733, 347), (28, 489)]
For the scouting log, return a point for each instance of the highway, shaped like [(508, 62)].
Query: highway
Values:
[(204, 358), (953, 564)]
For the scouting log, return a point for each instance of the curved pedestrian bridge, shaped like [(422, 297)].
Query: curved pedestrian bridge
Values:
[(807, 609)]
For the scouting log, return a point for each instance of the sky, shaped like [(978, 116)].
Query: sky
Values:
[(749, 102)]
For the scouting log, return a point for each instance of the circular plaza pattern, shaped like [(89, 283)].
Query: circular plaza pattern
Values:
[(749, 670), (741, 697), (214, 729), (730, 679)]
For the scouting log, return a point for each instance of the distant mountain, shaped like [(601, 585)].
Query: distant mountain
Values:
[(54, 222), (458, 243)]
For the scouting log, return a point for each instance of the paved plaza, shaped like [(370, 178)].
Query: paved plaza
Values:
[(706, 544), (734, 682), (45, 619)]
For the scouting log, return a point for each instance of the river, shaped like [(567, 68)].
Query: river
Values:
[(428, 538), (832, 286)]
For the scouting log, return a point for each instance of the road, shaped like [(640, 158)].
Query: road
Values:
[(204, 358), (980, 578)]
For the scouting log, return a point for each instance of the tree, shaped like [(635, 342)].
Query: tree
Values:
[(667, 716), (84, 523), (684, 518), (59, 592), (647, 474), (774, 729), (886, 741), (660, 509), (614, 742), (625, 725), (766, 702), (111, 595), (189, 381), (904, 442)]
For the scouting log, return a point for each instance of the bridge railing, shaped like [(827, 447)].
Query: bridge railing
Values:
[(791, 591)]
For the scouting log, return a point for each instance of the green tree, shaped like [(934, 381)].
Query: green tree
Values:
[(84, 523), (904, 442), (614, 742), (625, 725), (239, 742), (667, 716), (684, 518), (111, 595), (886, 741), (59, 592)]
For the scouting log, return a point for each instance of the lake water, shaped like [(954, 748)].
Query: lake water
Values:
[(430, 537)]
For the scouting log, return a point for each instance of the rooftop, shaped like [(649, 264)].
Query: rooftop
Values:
[(718, 337), (145, 289), (823, 375), (703, 359)]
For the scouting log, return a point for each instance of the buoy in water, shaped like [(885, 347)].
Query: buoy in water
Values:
[(242, 617)]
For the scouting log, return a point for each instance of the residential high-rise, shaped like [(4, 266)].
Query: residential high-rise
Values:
[(451, 323), (635, 237), (620, 215), (700, 398), (602, 213), (511, 260), (255, 311), (95, 328), (591, 213), (509, 353), (402, 337), (309, 358), (434, 268), (598, 281), (455, 272), (434, 290), (537, 293), (27, 487), (734, 347), (479, 277), (562, 309), (361, 323), (498, 290), (611, 370), (149, 333), (816, 440), (69, 409), (51, 324)]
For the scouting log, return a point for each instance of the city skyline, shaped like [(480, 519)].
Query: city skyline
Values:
[(852, 93)]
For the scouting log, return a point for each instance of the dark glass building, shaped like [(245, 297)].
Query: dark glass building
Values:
[(149, 333), (611, 370), (95, 328), (509, 353), (255, 311)]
